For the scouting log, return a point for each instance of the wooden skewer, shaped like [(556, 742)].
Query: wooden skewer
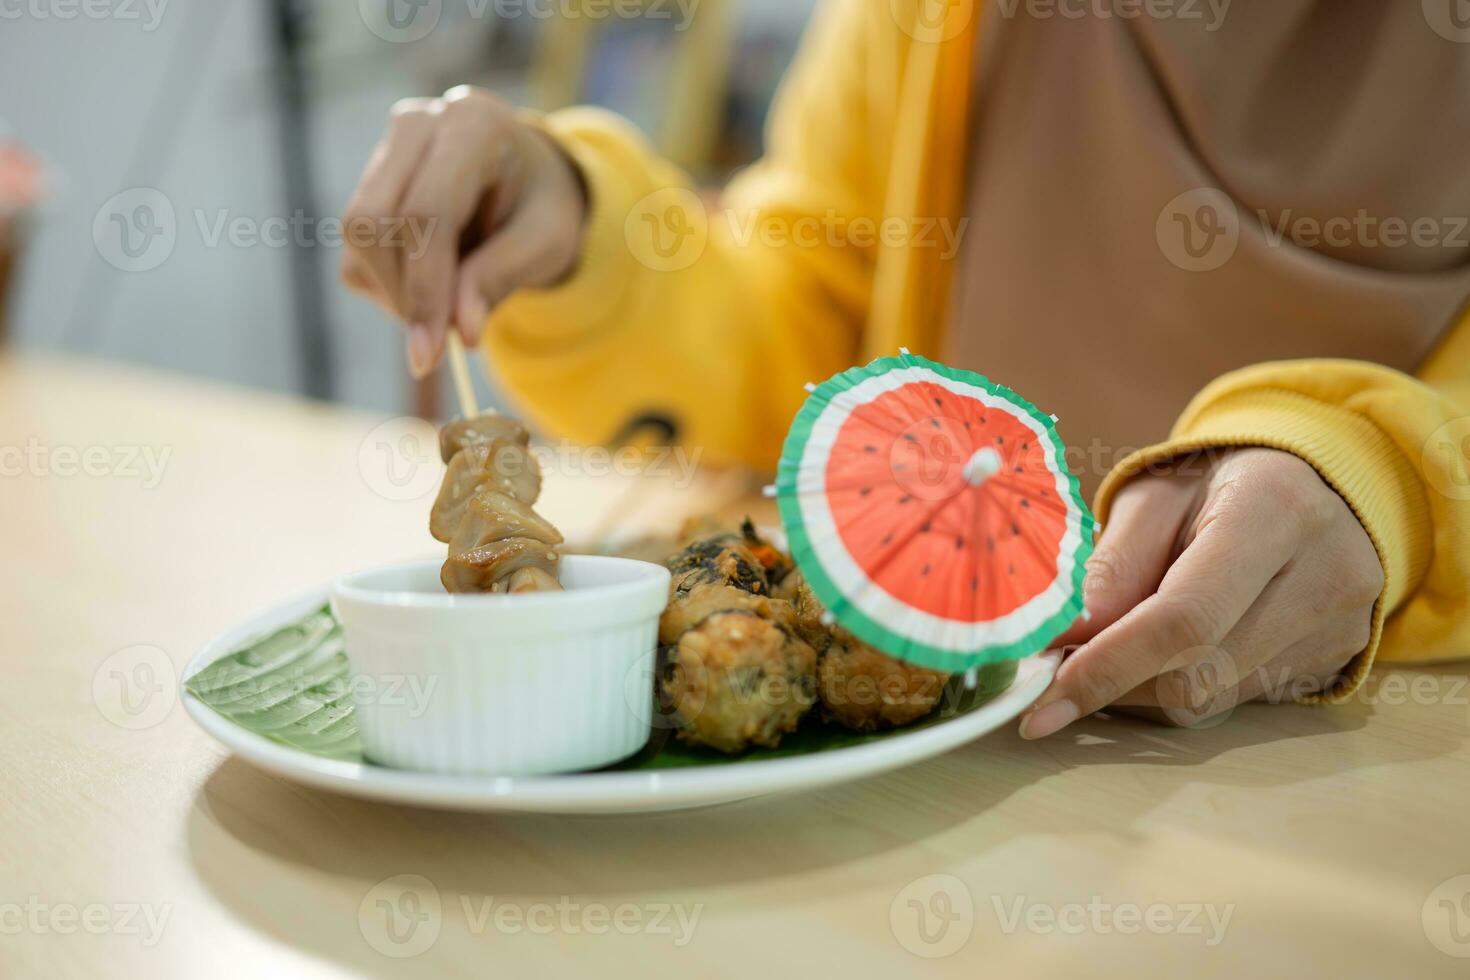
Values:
[(459, 368)]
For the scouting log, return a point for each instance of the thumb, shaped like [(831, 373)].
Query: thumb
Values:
[(526, 252), (1135, 550)]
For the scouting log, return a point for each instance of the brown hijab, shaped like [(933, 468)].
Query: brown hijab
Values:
[(1155, 201)]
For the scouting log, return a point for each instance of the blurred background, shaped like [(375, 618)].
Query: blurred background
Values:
[(166, 166)]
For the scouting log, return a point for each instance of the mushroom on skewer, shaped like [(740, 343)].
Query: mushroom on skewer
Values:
[(497, 542)]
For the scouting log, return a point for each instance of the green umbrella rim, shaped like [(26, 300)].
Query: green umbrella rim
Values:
[(854, 619)]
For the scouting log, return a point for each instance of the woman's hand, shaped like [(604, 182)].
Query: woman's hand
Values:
[(1215, 583), (464, 203)]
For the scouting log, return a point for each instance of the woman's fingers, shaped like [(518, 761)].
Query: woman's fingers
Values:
[(1206, 592), (370, 264), (1133, 553), (528, 251), (471, 156)]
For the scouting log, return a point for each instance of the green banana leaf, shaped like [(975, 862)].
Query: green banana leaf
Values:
[(294, 687)]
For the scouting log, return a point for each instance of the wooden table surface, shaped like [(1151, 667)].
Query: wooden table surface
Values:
[(1286, 840)]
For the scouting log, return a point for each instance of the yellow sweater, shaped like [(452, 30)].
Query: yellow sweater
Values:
[(675, 312)]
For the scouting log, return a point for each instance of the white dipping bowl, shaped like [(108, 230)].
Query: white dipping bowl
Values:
[(508, 685)]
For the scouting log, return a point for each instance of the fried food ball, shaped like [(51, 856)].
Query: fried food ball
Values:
[(737, 680), (806, 609), (866, 690), (693, 604)]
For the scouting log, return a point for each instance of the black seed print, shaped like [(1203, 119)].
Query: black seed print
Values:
[(870, 449), (967, 426), (938, 403), (1011, 568), (1019, 470), (1025, 446), (959, 543), (905, 499), (924, 571), (989, 543), (1015, 529), (934, 422), (1025, 505), (887, 539), (924, 528), (974, 584), (1000, 440), (865, 491), (910, 437)]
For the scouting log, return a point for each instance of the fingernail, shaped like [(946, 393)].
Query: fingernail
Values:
[(1048, 720), (420, 351)]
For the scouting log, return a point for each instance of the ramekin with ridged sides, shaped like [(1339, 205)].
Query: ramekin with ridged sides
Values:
[(504, 685)]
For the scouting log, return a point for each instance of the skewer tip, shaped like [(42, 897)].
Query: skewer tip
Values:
[(769, 490), (827, 619), (810, 387), (1055, 419)]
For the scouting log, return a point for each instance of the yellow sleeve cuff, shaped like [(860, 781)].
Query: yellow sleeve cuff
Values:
[(1354, 457)]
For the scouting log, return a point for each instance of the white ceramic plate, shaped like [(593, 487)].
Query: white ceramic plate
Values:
[(598, 792)]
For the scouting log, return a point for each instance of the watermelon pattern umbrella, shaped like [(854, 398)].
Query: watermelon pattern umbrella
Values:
[(933, 513)]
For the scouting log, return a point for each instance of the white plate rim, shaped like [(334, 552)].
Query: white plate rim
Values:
[(598, 792)]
